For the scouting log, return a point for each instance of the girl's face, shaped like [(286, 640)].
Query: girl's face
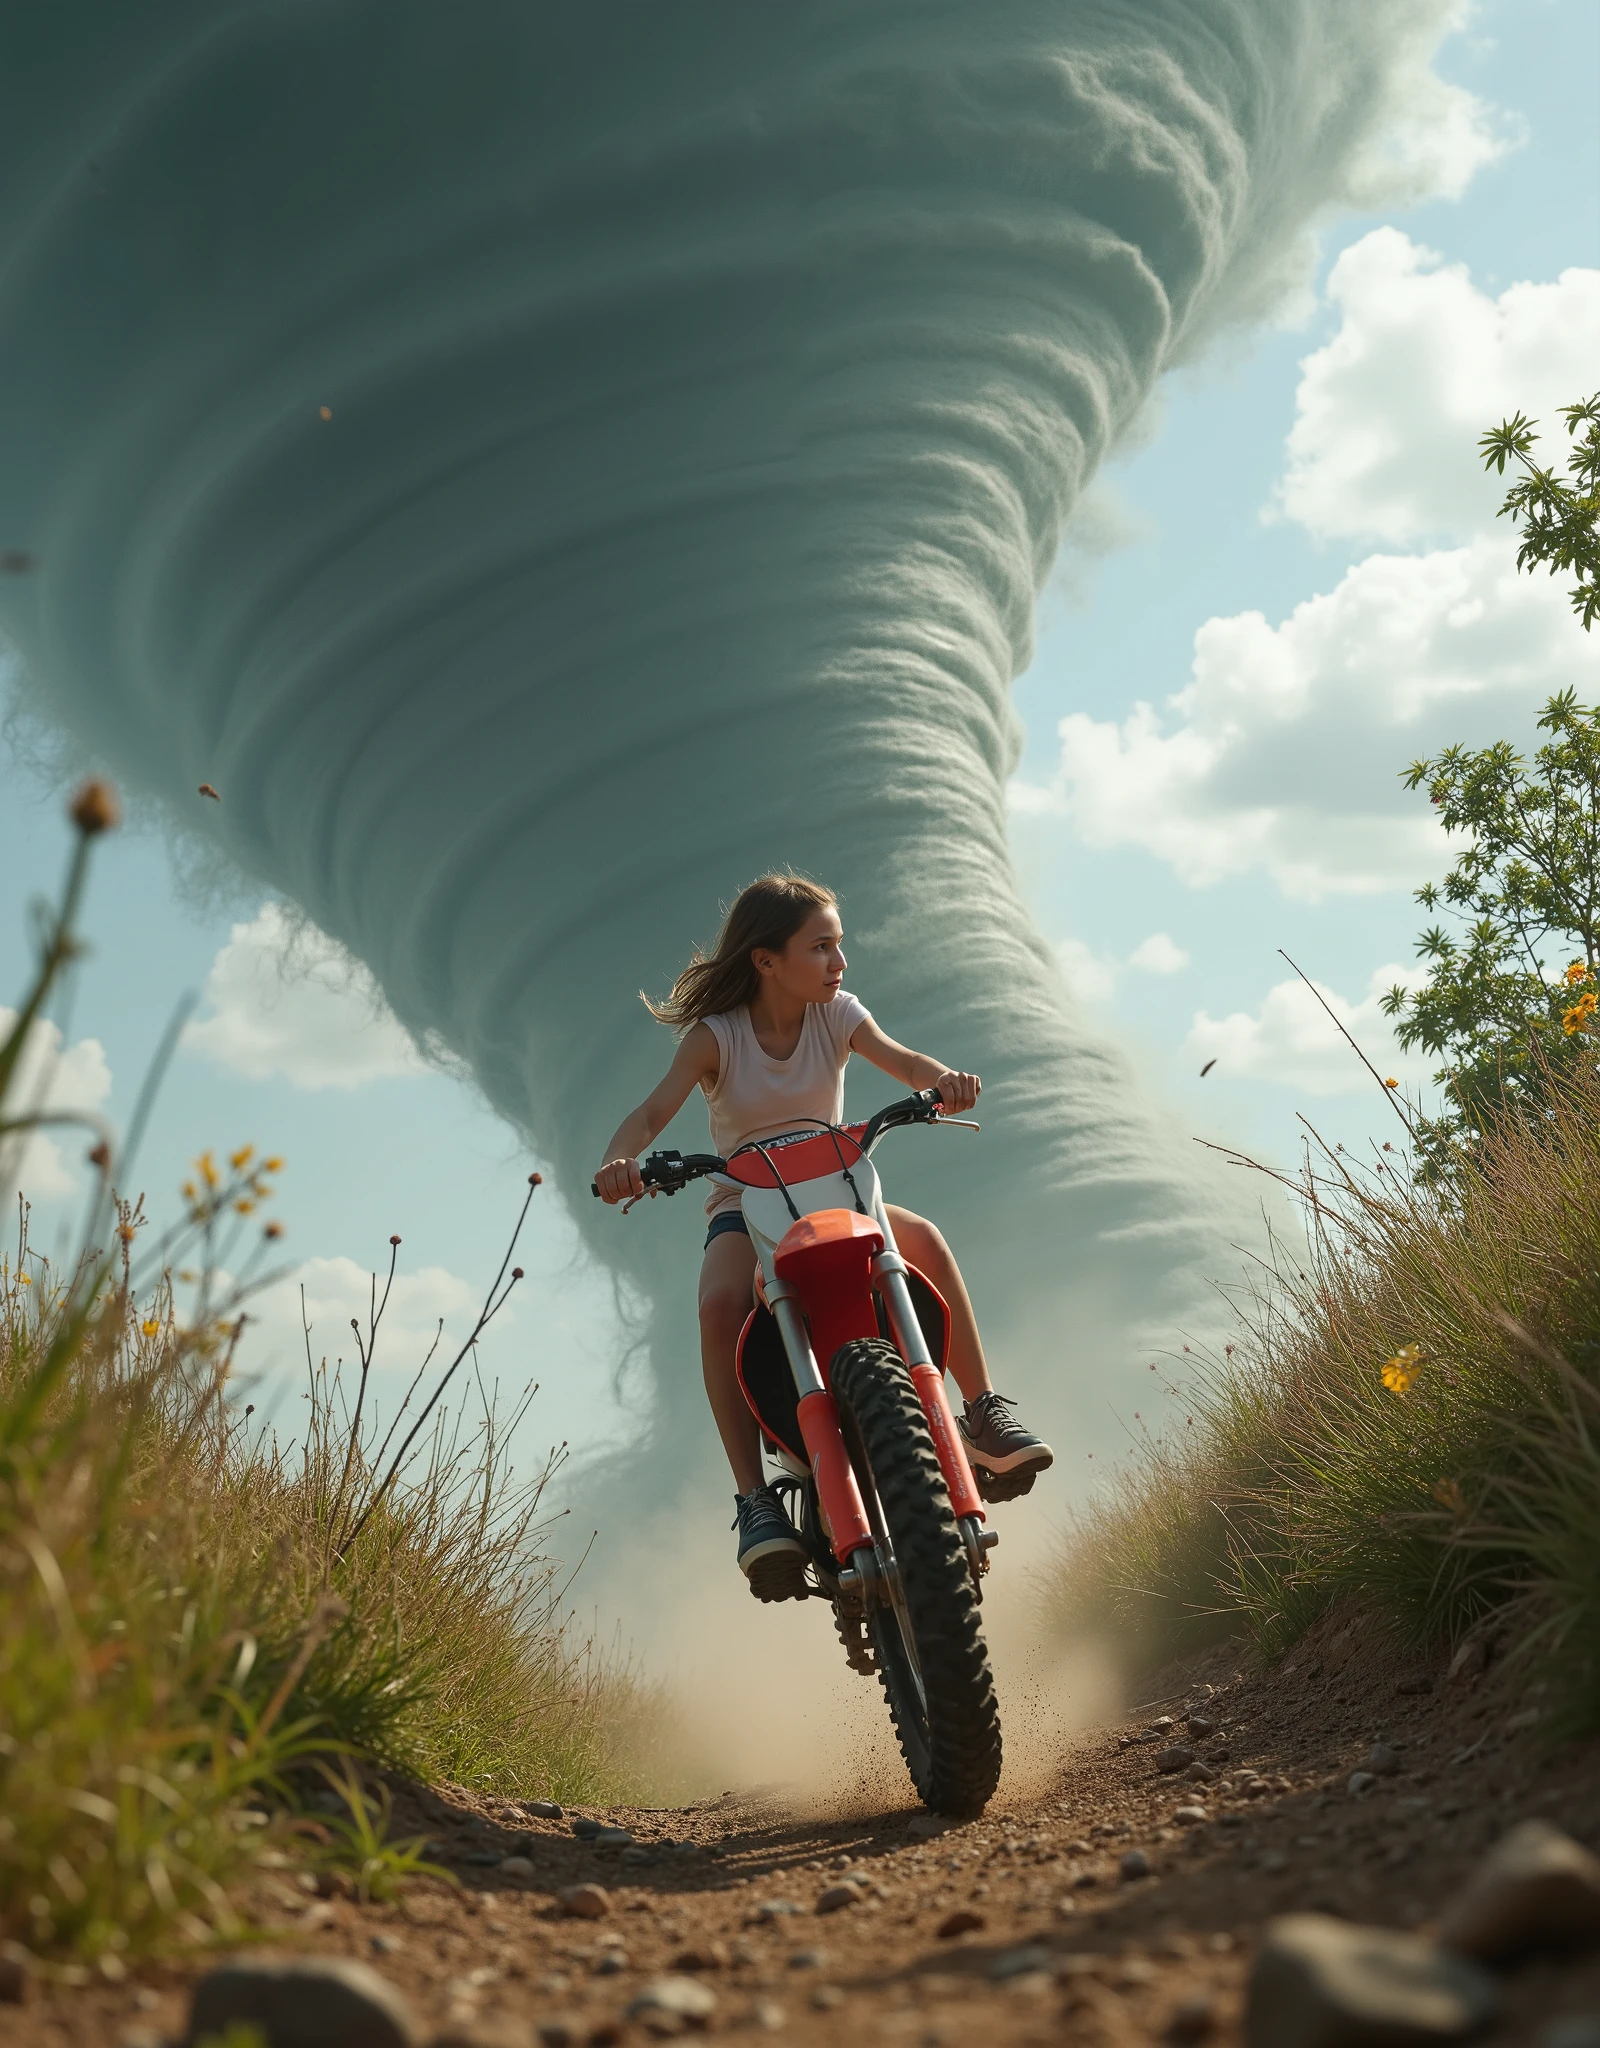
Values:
[(811, 967)]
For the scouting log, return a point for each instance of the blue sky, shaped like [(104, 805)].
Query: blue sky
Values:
[(1168, 853)]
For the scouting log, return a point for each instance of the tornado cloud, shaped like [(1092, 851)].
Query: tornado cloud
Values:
[(547, 464)]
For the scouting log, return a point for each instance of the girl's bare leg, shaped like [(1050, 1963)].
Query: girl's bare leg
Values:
[(725, 1300), (923, 1246)]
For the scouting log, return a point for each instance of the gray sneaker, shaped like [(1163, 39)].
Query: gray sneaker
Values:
[(1005, 1458), (771, 1555)]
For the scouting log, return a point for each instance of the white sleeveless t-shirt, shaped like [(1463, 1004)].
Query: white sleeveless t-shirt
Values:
[(756, 1096)]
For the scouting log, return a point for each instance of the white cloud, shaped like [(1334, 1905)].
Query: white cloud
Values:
[(1093, 976), (286, 999), (337, 1289), (1285, 750), (1292, 1040), (1158, 954), (51, 1076), (1388, 414)]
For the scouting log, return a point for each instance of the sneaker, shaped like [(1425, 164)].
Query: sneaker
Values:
[(1005, 1458), (771, 1555)]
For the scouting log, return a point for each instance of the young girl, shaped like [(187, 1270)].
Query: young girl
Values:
[(767, 1029)]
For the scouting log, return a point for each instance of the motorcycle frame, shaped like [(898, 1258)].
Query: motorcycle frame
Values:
[(825, 1247)]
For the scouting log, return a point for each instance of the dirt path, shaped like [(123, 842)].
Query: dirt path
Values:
[(1068, 1947)]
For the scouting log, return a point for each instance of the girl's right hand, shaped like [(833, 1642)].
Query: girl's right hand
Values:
[(618, 1179)]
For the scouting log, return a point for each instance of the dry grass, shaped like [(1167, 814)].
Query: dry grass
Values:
[(193, 1616), (1466, 1481)]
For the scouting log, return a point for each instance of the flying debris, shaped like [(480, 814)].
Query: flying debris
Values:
[(16, 562), (1206, 1069), (207, 790)]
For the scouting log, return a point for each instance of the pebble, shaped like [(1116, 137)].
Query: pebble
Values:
[(1162, 1724), (1177, 1756), (1018, 1962), (768, 2015), (515, 1866), (1360, 1782), (962, 1921), (835, 1897), (613, 1963), (1134, 1865), (386, 1944), (1577, 2030), (671, 2005), (827, 1997), (16, 1974), (712, 1955), (612, 1838), (303, 2002), (1199, 1727), (1413, 1687), (586, 1902), (1318, 1980), (543, 1809), (1382, 1761), (1082, 1880), (1192, 2019), (1191, 1816), (1537, 1888), (808, 1959), (1199, 1773), (584, 1828), (775, 1909)]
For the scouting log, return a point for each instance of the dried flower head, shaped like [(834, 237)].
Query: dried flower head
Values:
[(1400, 1374), (273, 1230), (94, 809), (150, 1327), (100, 1155)]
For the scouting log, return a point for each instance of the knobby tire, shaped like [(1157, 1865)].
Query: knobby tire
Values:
[(952, 1749)]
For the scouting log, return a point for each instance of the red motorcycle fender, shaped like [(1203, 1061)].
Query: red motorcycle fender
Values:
[(947, 1444), (842, 1510)]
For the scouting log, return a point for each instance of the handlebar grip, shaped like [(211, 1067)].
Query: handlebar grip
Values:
[(594, 1189)]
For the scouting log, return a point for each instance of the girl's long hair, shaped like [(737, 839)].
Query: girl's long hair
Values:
[(764, 918)]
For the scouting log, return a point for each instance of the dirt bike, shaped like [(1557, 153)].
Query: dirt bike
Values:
[(842, 1364)]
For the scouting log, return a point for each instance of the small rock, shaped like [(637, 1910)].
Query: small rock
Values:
[(612, 1963), (559, 2033), (1177, 1756), (671, 2005), (302, 2002), (1577, 2030), (1192, 2019), (962, 1921), (515, 1866), (1360, 1782), (1018, 1962), (1134, 1865), (808, 1959), (1199, 1727), (1382, 1761), (1318, 1982), (1412, 1688), (637, 1853), (1066, 1908), (1191, 1816), (711, 1955), (768, 2015), (1083, 1880), (1469, 1661), (925, 1824), (827, 1997), (542, 1809), (584, 1828), (1537, 1888), (835, 1897), (386, 1944), (775, 1909), (335, 1884), (16, 1974), (612, 1838), (1200, 1774), (586, 1902), (1163, 1724)]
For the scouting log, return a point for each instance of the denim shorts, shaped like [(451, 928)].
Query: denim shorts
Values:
[(728, 1220)]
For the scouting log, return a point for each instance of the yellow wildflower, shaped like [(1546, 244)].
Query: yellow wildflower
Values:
[(1578, 971), (1400, 1374), (188, 1191), (244, 1208), (151, 1328), (208, 1169), (242, 1157), (1391, 1082), (23, 1280), (1577, 1018), (272, 1166)]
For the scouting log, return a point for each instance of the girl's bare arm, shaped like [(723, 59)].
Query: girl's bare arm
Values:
[(696, 1059), (957, 1091)]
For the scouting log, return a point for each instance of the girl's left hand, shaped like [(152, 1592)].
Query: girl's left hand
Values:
[(958, 1091)]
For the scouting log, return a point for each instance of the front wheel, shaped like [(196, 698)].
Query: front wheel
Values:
[(931, 1656)]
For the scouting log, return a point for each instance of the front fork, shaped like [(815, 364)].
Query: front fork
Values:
[(839, 1496)]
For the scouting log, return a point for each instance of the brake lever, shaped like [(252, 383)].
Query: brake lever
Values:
[(955, 1123), (633, 1201)]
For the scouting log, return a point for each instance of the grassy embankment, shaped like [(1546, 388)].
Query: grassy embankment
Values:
[(1409, 1421), (193, 1617)]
